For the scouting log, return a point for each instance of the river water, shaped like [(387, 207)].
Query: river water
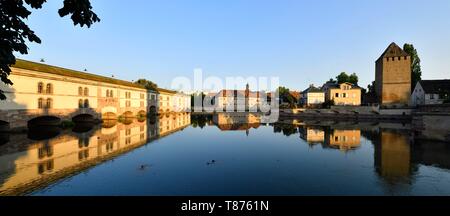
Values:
[(223, 154)]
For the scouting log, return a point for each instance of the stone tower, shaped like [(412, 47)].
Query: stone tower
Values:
[(393, 77)]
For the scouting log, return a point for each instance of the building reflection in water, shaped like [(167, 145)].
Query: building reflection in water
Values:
[(237, 121), (392, 155), (30, 161), (27, 164)]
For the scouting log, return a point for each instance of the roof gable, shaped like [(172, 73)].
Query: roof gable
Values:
[(393, 50)]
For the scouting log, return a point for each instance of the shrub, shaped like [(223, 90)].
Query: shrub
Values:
[(67, 124)]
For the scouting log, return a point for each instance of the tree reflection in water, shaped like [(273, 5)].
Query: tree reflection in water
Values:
[(395, 159)]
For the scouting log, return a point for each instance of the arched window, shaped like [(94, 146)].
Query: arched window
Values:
[(80, 91), (86, 103), (80, 103), (40, 103), (86, 92), (49, 104), (111, 93), (49, 89), (40, 88)]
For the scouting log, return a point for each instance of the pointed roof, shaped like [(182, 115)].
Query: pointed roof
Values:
[(312, 89), (393, 50), (435, 86)]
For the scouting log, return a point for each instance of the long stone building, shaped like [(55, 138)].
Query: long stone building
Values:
[(393, 77), (48, 94)]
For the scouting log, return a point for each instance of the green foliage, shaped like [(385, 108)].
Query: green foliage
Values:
[(285, 96), (14, 33), (416, 70), (194, 96), (328, 104), (286, 129), (200, 120), (345, 78), (149, 85), (67, 124)]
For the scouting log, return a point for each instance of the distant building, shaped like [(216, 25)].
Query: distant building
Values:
[(431, 92), (344, 94), (393, 76), (173, 101), (233, 100), (312, 96)]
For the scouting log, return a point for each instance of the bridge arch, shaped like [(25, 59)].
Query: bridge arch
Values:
[(128, 114), (44, 121), (109, 116), (83, 118), (142, 113), (4, 126)]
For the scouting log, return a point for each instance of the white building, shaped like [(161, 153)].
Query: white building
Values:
[(428, 92), (312, 96)]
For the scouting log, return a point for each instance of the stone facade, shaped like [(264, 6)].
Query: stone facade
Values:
[(393, 77), (47, 91)]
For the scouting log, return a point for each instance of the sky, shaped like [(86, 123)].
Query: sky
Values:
[(302, 42)]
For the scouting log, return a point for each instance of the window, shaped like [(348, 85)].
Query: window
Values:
[(86, 92), (49, 89), (80, 103), (345, 95), (86, 103), (406, 57), (80, 91), (153, 97), (142, 104), (393, 58), (128, 104), (111, 93), (49, 104), (142, 96), (40, 88), (40, 103), (432, 96), (337, 95), (399, 58)]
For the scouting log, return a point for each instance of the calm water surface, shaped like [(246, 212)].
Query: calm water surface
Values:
[(224, 155)]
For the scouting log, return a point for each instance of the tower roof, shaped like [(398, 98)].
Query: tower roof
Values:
[(393, 50)]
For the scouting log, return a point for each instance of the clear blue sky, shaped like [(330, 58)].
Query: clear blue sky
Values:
[(302, 42)]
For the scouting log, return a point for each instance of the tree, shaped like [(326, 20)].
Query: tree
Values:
[(353, 79), (416, 70), (149, 85), (285, 96), (344, 77), (14, 32)]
